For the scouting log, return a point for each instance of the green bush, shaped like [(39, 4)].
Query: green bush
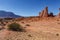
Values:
[(15, 27)]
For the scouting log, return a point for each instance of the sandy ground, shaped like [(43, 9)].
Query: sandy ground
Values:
[(38, 30)]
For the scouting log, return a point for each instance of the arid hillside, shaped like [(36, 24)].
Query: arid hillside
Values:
[(43, 27)]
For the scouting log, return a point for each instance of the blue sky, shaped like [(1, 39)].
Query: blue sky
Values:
[(29, 7)]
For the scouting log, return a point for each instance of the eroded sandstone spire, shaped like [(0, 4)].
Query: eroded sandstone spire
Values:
[(58, 15), (41, 13), (44, 13)]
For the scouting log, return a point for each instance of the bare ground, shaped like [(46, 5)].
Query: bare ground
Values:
[(38, 30)]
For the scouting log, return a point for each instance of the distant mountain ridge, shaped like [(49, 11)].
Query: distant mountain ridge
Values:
[(4, 14)]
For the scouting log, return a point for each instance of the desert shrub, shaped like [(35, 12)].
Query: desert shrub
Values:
[(29, 35), (57, 20), (1, 20), (58, 23), (15, 27), (27, 25), (22, 22), (57, 34)]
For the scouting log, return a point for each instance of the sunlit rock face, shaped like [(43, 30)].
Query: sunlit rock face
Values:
[(41, 13), (44, 13), (4, 14), (58, 15)]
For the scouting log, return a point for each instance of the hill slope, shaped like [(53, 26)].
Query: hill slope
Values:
[(4, 14)]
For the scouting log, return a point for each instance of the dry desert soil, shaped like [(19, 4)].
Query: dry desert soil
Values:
[(43, 29)]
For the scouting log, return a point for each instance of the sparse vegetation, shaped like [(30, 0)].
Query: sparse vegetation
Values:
[(15, 27), (22, 22), (27, 25), (29, 35), (1, 20), (57, 34), (57, 20), (58, 23)]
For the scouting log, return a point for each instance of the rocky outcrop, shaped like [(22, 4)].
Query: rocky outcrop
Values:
[(58, 15), (51, 15), (44, 13), (41, 13)]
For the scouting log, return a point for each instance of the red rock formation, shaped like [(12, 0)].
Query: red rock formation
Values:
[(51, 15), (41, 13), (58, 15), (44, 13)]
